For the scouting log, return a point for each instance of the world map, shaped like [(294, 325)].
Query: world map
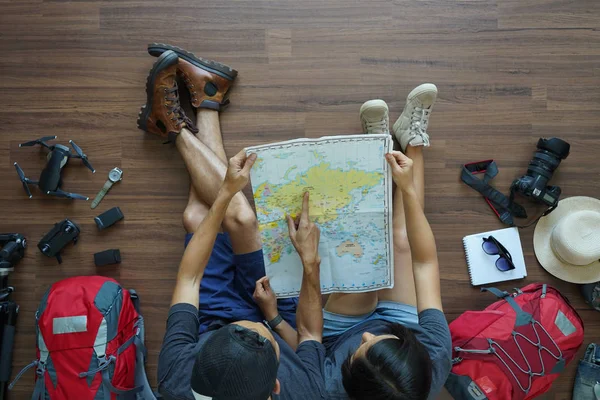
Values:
[(350, 200)]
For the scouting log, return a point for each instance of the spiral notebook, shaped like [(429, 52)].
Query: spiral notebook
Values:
[(482, 268)]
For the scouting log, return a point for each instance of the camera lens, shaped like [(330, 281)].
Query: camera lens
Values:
[(556, 146)]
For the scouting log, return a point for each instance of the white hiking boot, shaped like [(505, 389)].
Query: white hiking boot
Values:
[(411, 126), (375, 118)]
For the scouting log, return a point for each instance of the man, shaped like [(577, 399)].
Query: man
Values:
[(215, 346), (394, 343)]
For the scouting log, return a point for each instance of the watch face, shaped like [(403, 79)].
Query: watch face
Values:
[(115, 175)]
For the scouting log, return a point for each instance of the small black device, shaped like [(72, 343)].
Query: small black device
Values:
[(109, 218), (13, 250), (59, 236), (50, 180), (491, 246), (107, 257), (534, 184)]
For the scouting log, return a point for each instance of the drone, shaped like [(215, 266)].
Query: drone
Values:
[(50, 181)]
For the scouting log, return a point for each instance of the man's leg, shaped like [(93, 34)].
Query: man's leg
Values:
[(404, 281), (210, 133), (207, 171)]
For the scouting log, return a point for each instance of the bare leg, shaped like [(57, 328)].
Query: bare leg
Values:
[(404, 281), (210, 134), (207, 170)]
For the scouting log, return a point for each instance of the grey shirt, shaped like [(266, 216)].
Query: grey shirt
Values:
[(432, 331), (300, 373)]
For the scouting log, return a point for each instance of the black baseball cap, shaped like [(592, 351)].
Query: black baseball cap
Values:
[(235, 363)]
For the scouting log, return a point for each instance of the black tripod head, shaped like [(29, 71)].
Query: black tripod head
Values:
[(13, 250)]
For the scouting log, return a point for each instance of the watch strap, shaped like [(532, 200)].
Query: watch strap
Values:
[(275, 321), (102, 193)]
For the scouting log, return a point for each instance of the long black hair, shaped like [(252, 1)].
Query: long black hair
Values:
[(392, 369)]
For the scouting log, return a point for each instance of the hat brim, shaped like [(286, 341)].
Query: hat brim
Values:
[(541, 242)]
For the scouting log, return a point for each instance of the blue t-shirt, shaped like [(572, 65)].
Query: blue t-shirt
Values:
[(300, 373), (432, 331)]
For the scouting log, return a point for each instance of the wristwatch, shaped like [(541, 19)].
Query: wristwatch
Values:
[(114, 176), (274, 322)]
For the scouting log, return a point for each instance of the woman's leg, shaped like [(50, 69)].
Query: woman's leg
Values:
[(404, 281)]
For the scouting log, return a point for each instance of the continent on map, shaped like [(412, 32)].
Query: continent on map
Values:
[(349, 247), (330, 190)]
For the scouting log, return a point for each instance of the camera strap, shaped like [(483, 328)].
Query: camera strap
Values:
[(511, 199), (504, 208)]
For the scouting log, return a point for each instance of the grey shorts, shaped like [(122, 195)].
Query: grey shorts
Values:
[(404, 314)]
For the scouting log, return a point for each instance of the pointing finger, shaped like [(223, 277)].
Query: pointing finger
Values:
[(304, 218)]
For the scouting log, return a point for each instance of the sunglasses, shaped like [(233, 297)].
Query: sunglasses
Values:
[(493, 247)]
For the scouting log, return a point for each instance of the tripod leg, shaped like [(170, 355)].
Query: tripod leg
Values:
[(6, 350)]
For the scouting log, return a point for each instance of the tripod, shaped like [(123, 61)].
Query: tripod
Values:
[(12, 251), (8, 319)]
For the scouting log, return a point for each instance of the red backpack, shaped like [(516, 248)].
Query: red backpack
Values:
[(516, 347), (89, 342)]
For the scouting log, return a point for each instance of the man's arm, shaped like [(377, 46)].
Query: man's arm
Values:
[(267, 302), (305, 238), (422, 242), (197, 253), (309, 315)]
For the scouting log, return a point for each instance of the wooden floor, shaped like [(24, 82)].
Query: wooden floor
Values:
[(508, 72)]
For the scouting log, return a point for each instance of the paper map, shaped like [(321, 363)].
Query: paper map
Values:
[(350, 200)]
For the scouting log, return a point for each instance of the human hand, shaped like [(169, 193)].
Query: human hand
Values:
[(238, 172), (401, 167), (265, 298), (305, 236)]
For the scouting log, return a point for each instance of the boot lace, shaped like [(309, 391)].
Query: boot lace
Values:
[(419, 119), (174, 109)]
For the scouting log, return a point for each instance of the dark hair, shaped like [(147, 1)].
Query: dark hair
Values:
[(393, 369)]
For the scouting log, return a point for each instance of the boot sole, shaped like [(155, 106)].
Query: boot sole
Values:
[(223, 70), (166, 59)]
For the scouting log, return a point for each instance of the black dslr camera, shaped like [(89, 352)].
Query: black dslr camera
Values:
[(534, 184)]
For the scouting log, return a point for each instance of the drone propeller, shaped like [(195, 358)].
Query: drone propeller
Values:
[(23, 179), (37, 141), (82, 155)]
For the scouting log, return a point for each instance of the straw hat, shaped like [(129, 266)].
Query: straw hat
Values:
[(567, 241)]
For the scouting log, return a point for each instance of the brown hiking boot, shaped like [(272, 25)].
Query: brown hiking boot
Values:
[(162, 114), (207, 81)]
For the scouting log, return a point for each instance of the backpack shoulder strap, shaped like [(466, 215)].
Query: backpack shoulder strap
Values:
[(141, 379), (523, 318)]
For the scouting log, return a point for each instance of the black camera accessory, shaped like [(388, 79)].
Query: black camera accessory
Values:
[(491, 246), (108, 218), (107, 257), (534, 184), (59, 236), (498, 202)]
